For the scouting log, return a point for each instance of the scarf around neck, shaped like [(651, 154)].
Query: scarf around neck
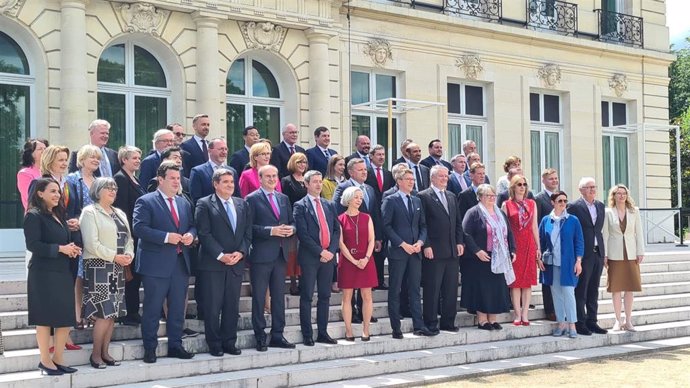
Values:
[(500, 254)]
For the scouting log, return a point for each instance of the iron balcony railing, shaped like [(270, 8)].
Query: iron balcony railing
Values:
[(621, 28), (485, 9), (552, 15)]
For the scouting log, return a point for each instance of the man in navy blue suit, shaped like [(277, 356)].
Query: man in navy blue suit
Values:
[(319, 155), (99, 133), (318, 231), (362, 149), (162, 139), (240, 158), (200, 179), (225, 233), (420, 172), (272, 225), (405, 225), (456, 180), (282, 152), (197, 145), (164, 223), (435, 155)]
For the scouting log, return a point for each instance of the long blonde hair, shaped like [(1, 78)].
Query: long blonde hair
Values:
[(629, 203)]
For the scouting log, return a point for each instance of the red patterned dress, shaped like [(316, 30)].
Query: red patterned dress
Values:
[(521, 216)]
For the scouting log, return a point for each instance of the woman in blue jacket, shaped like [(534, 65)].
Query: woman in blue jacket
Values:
[(560, 236)]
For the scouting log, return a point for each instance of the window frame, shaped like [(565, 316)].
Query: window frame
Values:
[(463, 119), (541, 120)]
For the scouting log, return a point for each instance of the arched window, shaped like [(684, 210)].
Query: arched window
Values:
[(133, 94), (16, 85), (253, 97)]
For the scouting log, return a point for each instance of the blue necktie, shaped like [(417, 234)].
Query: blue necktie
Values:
[(366, 197), (231, 216)]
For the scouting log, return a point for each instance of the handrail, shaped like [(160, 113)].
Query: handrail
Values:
[(657, 224), (554, 15)]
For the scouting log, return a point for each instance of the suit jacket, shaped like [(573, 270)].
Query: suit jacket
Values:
[(249, 182), (201, 181), (107, 152), (308, 230), (455, 186), (239, 160), (388, 182), (444, 230), (152, 222), (466, 200), (195, 155), (149, 168), (544, 205), (590, 231), (394, 190), (265, 248), (430, 162), (216, 235), (475, 233), (614, 239), (505, 195), (99, 233), (280, 157), (468, 180), (184, 182), (43, 236), (399, 227), (127, 194), (317, 160), (374, 210), (399, 160), (352, 156), (424, 174)]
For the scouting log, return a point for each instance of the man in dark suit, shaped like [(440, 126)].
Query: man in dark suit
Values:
[(165, 225), (179, 135), (472, 159), (420, 172), (319, 155), (443, 246), (468, 198), (282, 152), (225, 232), (435, 155), (240, 158), (99, 133), (162, 139), (197, 146), (403, 147), (318, 230), (590, 212), (362, 148), (456, 181), (405, 226), (201, 177), (272, 224), (380, 179), (174, 155), (549, 179), (394, 189)]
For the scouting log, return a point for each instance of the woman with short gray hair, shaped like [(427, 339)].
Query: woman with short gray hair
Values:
[(108, 248)]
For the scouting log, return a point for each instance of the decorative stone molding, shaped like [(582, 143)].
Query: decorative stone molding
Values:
[(10, 7), (263, 35), (143, 17), (379, 50), (470, 64), (550, 75), (619, 84)]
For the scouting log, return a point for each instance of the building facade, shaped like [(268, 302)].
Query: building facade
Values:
[(565, 85)]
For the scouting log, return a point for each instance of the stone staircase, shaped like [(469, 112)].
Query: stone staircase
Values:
[(662, 312)]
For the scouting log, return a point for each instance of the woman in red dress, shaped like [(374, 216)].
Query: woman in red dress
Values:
[(522, 216), (356, 268)]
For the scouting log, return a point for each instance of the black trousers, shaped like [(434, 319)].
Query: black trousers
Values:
[(265, 276), (380, 261), (317, 274), (440, 278), (587, 290), (547, 299), (220, 291)]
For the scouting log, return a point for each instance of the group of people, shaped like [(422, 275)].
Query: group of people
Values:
[(326, 223)]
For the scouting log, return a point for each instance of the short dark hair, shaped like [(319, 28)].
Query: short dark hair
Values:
[(29, 148), (431, 143), (221, 172), (248, 128), (166, 152), (318, 131), (165, 167), (173, 125), (35, 202), (558, 194)]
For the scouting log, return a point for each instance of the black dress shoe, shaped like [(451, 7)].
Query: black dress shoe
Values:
[(50, 372), (381, 288), (187, 333), (485, 326), (308, 341), (356, 319), (216, 352), (366, 339), (180, 353), (373, 319), (496, 326), (326, 339), (65, 369), (424, 332), (582, 329), (594, 328), (111, 362), (232, 350), (397, 335), (130, 321), (454, 329), (281, 343), (150, 356)]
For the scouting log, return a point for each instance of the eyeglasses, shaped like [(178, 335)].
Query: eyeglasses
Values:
[(179, 134), (110, 189), (561, 201), (521, 184), (301, 162), (489, 196), (265, 154)]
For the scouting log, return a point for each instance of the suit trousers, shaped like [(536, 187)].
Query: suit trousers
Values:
[(156, 290), (440, 278), (380, 261), (220, 292), (319, 274), (397, 267), (265, 276), (587, 290)]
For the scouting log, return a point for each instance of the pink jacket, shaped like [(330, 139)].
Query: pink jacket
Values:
[(249, 182), (24, 178)]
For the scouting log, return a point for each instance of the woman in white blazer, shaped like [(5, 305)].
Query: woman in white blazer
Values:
[(108, 248), (624, 245)]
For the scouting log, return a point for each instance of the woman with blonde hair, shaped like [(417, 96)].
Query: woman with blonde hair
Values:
[(335, 175), (259, 156), (624, 247)]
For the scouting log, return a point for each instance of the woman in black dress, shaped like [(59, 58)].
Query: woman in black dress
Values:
[(294, 187), (50, 285)]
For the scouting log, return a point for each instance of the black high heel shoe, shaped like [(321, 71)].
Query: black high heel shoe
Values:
[(95, 364), (65, 369), (111, 362), (50, 372)]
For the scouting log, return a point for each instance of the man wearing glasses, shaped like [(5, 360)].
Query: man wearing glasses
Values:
[(590, 212), (179, 135), (162, 139)]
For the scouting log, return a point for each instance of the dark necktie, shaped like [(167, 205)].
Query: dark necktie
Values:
[(418, 179), (328, 154), (409, 207), (292, 150), (204, 149)]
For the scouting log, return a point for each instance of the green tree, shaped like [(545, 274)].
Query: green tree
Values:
[(679, 112)]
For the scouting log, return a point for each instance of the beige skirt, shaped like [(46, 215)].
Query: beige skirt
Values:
[(623, 275)]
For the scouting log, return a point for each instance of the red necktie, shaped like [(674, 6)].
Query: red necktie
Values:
[(176, 220), (323, 226), (292, 150), (379, 178)]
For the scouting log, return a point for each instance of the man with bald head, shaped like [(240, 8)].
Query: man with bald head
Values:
[(362, 148), (282, 152), (99, 133), (413, 154)]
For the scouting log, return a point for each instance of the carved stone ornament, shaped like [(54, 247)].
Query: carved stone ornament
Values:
[(471, 64), (550, 74), (619, 84), (379, 50), (10, 7), (143, 17), (263, 35)]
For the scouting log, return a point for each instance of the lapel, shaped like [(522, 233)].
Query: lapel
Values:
[(264, 199), (310, 209), (404, 207), (437, 201), (165, 206), (221, 209), (588, 217)]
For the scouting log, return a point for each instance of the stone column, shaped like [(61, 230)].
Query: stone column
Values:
[(319, 83), (208, 98), (74, 107)]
